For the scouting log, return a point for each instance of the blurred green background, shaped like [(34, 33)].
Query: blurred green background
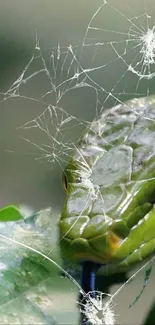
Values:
[(35, 183)]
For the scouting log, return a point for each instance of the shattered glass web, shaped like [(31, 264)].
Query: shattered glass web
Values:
[(105, 46)]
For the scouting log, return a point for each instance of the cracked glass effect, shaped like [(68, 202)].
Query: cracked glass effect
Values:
[(83, 66), (91, 65)]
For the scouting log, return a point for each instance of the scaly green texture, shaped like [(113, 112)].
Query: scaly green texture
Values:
[(109, 214)]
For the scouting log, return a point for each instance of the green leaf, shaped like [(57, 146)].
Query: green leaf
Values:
[(26, 278), (10, 213), (146, 279)]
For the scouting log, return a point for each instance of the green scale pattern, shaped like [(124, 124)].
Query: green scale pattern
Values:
[(109, 215)]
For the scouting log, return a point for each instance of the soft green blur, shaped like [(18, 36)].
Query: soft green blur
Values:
[(34, 183)]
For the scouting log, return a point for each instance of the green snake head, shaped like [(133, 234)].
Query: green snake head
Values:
[(109, 215)]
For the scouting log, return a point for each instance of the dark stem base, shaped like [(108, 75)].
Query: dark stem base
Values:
[(92, 283), (88, 284)]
